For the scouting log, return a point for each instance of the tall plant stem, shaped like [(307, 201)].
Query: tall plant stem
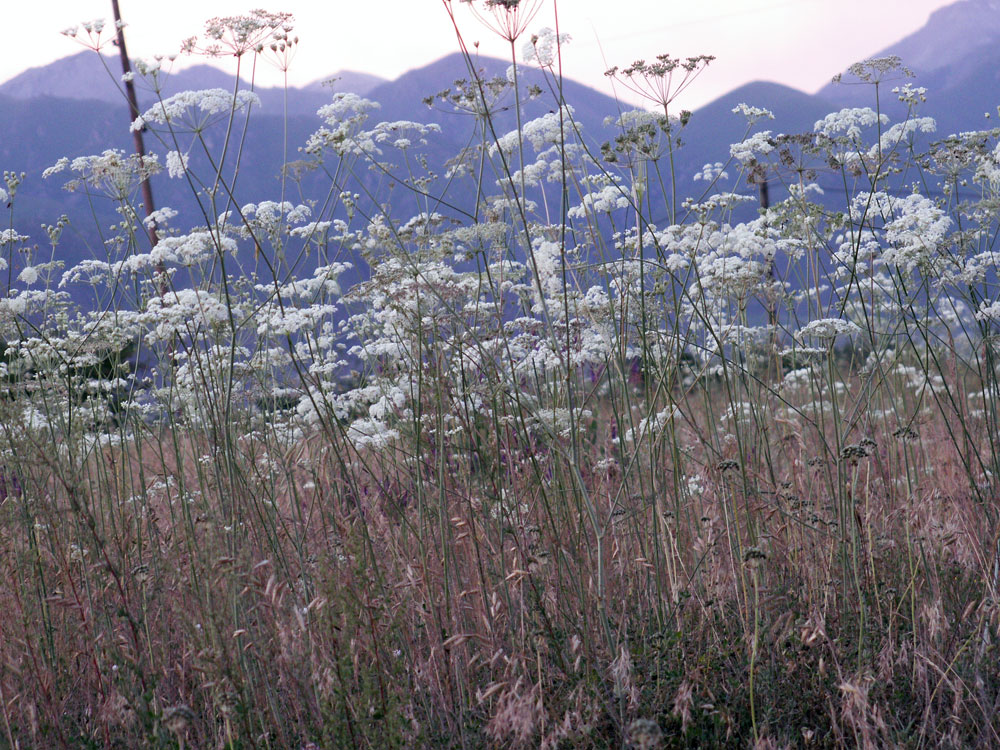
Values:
[(140, 146)]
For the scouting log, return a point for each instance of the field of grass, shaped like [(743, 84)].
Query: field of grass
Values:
[(550, 475)]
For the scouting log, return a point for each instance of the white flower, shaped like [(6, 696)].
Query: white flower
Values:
[(758, 143), (11, 237), (828, 328), (752, 113), (159, 218), (28, 276), (916, 233), (849, 121), (604, 201), (177, 164), (552, 127), (181, 311), (988, 311), (712, 172), (192, 109), (542, 47)]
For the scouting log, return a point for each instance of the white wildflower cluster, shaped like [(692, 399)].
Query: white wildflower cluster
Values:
[(186, 313), (193, 110), (177, 164), (712, 172), (550, 128), (113, 171), (344, 117), (541, 48), (902, 132), (917, 232), (548, 165), (453, 324), (827, 328), (750, 149), (607, 200), (160, 217), (912, 230), (753, 114), (989, 311), (849, 122), (271, 220)]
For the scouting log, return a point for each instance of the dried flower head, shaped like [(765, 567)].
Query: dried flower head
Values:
[(853, 453), (508, 18), (662, 80), (237, 35), (876, 70)]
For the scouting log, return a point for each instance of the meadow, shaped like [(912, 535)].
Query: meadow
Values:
[(592, 464)]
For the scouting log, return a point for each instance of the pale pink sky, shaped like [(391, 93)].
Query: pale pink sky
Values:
[(797, 42)]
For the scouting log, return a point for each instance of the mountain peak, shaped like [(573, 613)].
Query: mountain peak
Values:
[(958, 45), (952, 35)]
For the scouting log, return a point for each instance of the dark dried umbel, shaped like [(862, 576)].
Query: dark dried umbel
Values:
[(662, 80), (853, 453), (237, 35)]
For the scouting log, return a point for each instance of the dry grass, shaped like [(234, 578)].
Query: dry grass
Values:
[(381, 602)]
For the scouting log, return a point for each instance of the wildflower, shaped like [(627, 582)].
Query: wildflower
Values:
[(849, 122), (550, 128), (177, 164), (652, 426), (193, 110), (508, 18), (237, 35), (712, 172), (876, 69), (655, 81), (28, 275), (758, 144), (542, 47), (753, 114), (113, 171), (853, 453), (828, 328), (605, 201)]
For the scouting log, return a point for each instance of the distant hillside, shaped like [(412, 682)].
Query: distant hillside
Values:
[(87, 75), (955, 56)]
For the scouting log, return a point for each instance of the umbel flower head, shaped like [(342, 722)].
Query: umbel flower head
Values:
[(508, 18), (237, 35), (663, 79)]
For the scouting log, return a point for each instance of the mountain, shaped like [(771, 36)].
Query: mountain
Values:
[(955, 56), (346, 80), (87, 75)]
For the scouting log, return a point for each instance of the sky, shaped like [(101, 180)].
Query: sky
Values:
[(800, 43)]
